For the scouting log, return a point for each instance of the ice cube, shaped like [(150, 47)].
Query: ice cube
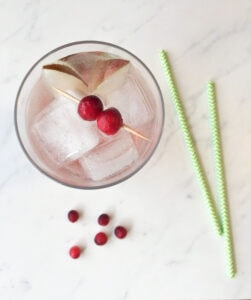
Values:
[(112, 156), (62, 134), (133, 102)]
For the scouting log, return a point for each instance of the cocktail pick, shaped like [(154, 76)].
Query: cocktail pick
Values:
[(190, 143), (67, 95), (221, 183), (126, 127)]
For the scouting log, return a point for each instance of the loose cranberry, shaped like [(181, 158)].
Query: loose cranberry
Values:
[(73, 216), (120, 232), (103, 219), (109, 121), (75, 252), (100, 238), (90, 107)]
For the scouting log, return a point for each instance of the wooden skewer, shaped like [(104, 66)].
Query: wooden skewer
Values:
[(69, 96), (138, 134), (126, 127)]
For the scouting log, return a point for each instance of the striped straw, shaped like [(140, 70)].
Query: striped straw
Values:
[(190, 143), (220, 177)]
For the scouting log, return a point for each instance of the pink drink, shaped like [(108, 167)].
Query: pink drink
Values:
[(74, 151)]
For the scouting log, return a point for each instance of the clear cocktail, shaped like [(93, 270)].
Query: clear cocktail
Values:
[(75, 151)]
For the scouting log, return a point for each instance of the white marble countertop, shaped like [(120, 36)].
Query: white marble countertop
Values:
[(171, 251)]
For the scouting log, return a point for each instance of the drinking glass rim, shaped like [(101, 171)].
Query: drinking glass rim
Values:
[(74, 44)]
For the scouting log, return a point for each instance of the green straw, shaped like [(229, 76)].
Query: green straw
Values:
[(190, 143), (220, 176)]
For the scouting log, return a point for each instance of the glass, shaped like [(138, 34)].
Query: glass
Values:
[(76, 173)]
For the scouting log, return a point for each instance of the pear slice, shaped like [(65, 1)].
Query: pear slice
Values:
[(108, 75), (84, 62), (96, 75), (62, 75), (101, 72), (115, 75)]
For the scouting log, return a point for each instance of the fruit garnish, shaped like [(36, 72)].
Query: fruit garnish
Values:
[(63, 76), (103, 219), (109, 121), (84, 62), (96, 75), (63, 67), (73, 216), (101, 72), (108, 75), (90, 107), (126, 127), (120, 232), (75, 252), (100, 238)]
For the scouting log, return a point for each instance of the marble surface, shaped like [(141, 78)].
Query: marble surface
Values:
[(171, 251)]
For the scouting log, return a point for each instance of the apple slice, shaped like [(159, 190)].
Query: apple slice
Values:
[(62, 75)]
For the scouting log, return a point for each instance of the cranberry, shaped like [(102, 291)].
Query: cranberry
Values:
[(120, 232), (90, 107), (100, 238), (75, 252), (73, 216), (109, 121), (103, 219)]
